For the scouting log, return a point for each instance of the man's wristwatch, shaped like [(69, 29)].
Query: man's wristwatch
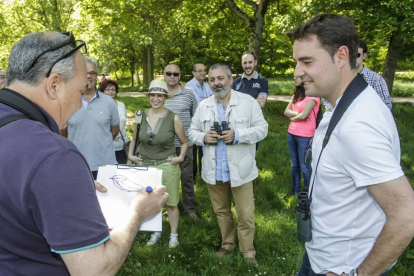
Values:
[(354, 272)]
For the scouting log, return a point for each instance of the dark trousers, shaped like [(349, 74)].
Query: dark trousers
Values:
[(95, 174), (306, 270), (121, 156), (197, 151), (187, 181)]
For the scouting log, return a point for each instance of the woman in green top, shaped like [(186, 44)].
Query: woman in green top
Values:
[(156, 149)]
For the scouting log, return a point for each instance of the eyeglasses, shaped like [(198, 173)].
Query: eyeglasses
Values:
[(76, 44), (92, 73), (176, 74), (110, 90), (201, 71), (150, 139)]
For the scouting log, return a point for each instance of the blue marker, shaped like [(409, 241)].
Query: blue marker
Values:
[(149, 189)]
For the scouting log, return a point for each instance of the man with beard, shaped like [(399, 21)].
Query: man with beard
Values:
[(251, 82), (95, 125), (229, 164)]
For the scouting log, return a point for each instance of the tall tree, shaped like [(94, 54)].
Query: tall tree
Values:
[(255, 22), (391, 21)]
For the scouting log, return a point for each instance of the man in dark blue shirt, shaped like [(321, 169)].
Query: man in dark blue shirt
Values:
[(51, 221), (251, 82)]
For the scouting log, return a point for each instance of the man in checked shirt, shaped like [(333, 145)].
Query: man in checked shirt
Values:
[(375, 80)]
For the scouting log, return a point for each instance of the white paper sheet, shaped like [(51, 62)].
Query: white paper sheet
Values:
[(116, 201)]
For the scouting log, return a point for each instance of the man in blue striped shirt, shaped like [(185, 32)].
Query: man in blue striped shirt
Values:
[(375, 80)]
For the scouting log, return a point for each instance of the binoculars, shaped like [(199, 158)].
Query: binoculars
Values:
[(303, 217), (219, 129)]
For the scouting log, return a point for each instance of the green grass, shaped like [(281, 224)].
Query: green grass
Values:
[(278, 250)]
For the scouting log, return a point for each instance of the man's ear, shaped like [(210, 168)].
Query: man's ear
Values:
[(364, 56), (342, 56), (53, 83)]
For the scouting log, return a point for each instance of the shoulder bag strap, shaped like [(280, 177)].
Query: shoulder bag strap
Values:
[(139, 114), (13, 118), (24, 105)]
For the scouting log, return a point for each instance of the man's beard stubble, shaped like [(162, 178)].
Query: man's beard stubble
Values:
[(221, 93)]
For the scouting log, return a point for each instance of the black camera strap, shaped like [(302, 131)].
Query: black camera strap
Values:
[(21, 103), (357, 85)]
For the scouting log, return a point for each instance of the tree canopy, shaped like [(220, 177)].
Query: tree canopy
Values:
[(132, 38)]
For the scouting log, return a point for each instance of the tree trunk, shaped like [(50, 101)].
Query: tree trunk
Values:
[(255, 23), (394, 50), (145, 66), (132, 69), (138, 76), (255, 39), (132, 76)]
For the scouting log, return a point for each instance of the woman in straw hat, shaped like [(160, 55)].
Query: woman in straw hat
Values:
[(156, 149)]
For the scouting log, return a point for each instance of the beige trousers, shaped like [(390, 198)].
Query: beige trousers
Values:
[(220, 195)]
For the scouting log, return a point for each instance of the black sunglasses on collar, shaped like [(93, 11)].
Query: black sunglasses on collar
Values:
[(76, 44)]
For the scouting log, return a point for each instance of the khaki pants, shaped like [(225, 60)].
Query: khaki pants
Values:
[(220, 195)]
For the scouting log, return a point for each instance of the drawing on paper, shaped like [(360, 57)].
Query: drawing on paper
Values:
[(125, 184)]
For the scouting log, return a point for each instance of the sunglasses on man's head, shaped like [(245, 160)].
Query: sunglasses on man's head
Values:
[(176, 74), (70, 40)]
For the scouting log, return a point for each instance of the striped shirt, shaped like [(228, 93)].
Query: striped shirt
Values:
[(378, 83), (183, 104)]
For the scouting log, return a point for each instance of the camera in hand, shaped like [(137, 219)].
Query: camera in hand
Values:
[(303, 218), (219, 129)]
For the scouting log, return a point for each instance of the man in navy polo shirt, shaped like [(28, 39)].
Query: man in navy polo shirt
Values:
[(50, 218), (251, 82)]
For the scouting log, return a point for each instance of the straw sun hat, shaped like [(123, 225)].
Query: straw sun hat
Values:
[(158, 87)]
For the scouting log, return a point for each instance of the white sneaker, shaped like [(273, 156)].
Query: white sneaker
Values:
[(154, 238), (173, 241)]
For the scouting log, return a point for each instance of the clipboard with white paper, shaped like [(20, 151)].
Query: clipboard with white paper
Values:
[(122, 183)]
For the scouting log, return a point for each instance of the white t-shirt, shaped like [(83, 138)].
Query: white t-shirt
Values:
[(364, 149), (118, 143)]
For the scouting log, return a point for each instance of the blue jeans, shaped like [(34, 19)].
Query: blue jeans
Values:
[(297, 147), (306, 270)]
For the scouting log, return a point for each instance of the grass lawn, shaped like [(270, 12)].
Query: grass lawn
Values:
[(278, 250)]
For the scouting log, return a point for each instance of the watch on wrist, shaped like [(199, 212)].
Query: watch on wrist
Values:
[(354, 272)]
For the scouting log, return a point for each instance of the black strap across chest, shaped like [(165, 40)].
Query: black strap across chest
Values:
[(19, 102), (354, 89)]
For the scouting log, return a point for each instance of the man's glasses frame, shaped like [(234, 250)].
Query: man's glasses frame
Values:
[(201, 71), (76, 44), (176, 74)]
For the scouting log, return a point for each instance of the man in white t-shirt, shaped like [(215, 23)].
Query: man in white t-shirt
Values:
[(362, 204)]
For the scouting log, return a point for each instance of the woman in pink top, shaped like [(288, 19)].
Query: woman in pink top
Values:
[(302, 112)]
